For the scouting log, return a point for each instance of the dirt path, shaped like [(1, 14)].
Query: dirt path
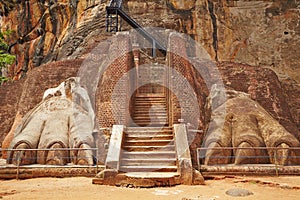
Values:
[(82, 188)]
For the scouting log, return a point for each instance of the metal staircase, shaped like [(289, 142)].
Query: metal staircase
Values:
[(114, 16), (113, 20)]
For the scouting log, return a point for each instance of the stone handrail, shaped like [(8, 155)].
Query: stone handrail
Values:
[(114, 150), (183, 154)]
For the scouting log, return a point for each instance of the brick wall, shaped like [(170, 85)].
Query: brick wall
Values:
[(186, 87), (113, 109), (189, 82)]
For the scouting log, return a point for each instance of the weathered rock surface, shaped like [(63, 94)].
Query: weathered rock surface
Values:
[(182, 4), (260, 33), (46, 31)]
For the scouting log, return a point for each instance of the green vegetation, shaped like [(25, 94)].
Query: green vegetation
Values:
[(6, 58)]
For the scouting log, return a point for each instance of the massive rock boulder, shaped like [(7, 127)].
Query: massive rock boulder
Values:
[(45, 31), (260, 33), (182, 4)]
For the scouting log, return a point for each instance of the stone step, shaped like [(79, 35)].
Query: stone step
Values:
[(151, 113), (145, 162), (148, 179), (150, 95), (148, 129), (148, 155), (147, 99), (144, 179), (148, 134), (142, 109), (137, 113), (143, 136), (150, 118), (147, 116), (153, 124), (152, 174), (160, 111), (150, 107), (149, 148), (150, 103), (148, 142), (147, 112), (152, 168), (153, 119)]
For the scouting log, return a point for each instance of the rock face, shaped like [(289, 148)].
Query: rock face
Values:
[(260, 33), (46, 31), (182, 4), (263, 34)]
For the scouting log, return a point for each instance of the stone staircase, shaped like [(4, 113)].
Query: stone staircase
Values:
[(145, 151), (144, 154), (148, 149), (150, 110)]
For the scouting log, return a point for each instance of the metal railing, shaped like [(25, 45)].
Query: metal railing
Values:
[(113, 24), (115, 3), (201, 155), (18, 164)]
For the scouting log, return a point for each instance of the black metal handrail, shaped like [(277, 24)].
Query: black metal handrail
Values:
[(115, 9), (115, 3)]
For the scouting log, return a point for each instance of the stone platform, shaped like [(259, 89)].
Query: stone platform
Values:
[(142, 179)]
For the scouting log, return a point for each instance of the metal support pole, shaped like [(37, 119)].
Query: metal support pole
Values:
[(117, 21), (276, 161), (18, 163), (97, 160), (153, 49), (107, 22)]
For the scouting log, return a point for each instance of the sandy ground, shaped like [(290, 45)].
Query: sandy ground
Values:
[(82, 188)]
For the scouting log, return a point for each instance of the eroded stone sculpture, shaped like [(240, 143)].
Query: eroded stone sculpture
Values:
[(63, 119), (241, 122)]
